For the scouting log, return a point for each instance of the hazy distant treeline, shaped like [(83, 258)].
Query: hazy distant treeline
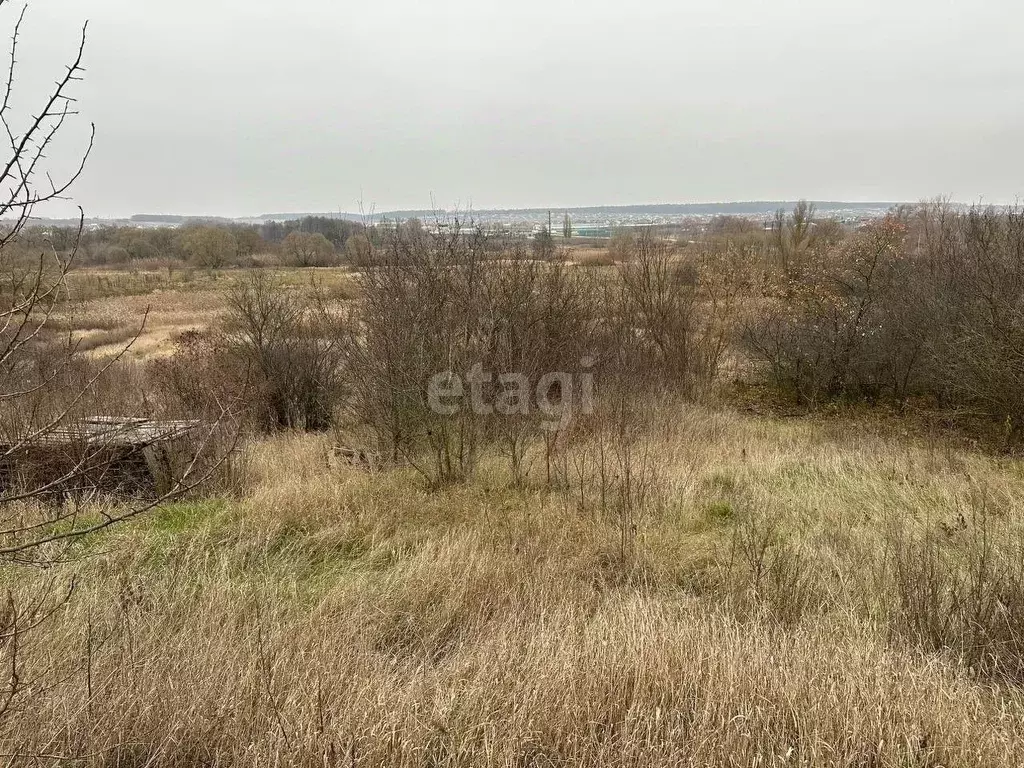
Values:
[(308, 242)]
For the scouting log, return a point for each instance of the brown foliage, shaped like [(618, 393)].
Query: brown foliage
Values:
[(924, 303)]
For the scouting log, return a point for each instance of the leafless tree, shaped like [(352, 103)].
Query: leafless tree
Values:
[(45, 389), (975, 263), (670, 318), (422, 315), (541, 319)]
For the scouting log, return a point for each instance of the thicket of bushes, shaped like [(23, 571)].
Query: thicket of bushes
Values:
[(529, 340), (276, 361), (926, 303), (923, 304)]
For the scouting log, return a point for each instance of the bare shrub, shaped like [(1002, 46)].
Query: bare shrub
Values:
[(209, 247), (275, 360), (291, 345), (668, 321), (614, 472), (359, 249), (540, 319), (199, 378), (621, 246), (544, 245), (975, 262), (837, 329), (438, 304), (423, 314), (792, 236), (774, 575), (924, 303), (525, 335), (726, 225)]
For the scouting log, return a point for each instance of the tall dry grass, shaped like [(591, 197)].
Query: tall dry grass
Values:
[(335, 617)]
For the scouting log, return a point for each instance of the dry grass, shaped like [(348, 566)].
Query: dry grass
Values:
[(110, 307), (334, 617), (589, 256)]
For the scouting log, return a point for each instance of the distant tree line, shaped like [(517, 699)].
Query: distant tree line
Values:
[(313, 241)]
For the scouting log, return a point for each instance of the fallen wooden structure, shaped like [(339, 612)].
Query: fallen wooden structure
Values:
[(115, 455)]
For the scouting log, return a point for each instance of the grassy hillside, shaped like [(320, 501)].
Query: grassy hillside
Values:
[(790, 592)]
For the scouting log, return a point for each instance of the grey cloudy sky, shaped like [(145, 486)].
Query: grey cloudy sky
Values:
[(231, 107)]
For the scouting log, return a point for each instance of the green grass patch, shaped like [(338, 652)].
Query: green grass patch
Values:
[(185, 516), (719, 512)]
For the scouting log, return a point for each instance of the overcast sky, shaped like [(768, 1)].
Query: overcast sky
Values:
[(244, 107)]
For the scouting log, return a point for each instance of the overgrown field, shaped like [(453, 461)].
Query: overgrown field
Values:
[(792, 592), (152, 309), (748, 501)]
